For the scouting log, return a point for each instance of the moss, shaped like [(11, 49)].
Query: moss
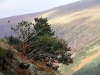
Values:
[(1, 73), (2, 52)]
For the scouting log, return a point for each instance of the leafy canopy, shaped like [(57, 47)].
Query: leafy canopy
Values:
[(40, 38)]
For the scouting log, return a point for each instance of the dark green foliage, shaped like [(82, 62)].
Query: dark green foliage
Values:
[(40, 38), (2, 52), (24, 31), (13, 40), (41, 41), (49, 44), (42, 27), (6, 57)]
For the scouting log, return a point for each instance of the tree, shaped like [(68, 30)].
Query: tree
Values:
[(13, 40), (40, 38), (47, 47), (26, 31), (42, 27)]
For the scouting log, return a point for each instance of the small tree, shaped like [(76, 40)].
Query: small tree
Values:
[(13, 40), (48, 47), (40, 38), (26, 31), (42, 27)]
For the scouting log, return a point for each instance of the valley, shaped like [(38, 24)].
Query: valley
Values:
[(78, 23)]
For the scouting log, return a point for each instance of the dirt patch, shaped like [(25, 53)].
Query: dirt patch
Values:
[(85, 61)]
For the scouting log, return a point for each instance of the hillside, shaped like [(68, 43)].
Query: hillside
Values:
[(78, 23), (91, 68), (14, 62)]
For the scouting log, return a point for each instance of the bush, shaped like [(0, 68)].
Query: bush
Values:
[(40, 38), (2, 52)]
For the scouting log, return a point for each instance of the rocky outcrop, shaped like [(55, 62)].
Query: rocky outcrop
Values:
[(1, 73), (14, 65), (7, 65)]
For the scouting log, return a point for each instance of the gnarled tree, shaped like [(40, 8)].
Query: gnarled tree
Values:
[(43, 44)]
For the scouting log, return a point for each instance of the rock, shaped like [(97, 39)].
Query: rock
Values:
[(24, 66), (34, 70), (27, 66), (19, 59), (1, 73)]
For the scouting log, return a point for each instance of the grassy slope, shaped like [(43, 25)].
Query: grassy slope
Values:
[(75, 22), (92, 68), (84, 55), (79, 26), (18, 56), (78, 23)]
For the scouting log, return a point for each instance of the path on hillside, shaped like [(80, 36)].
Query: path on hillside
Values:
[(85, 61)]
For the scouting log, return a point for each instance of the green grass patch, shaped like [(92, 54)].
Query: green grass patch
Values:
[(92, 68), (82, 55), (2, 52)]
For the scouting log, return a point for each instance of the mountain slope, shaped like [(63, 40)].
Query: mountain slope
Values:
[(92, 68), (78, 23)]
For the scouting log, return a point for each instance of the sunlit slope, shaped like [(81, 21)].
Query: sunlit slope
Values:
[(86, 56), (92, 68), (78, 23), (79, 28)]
